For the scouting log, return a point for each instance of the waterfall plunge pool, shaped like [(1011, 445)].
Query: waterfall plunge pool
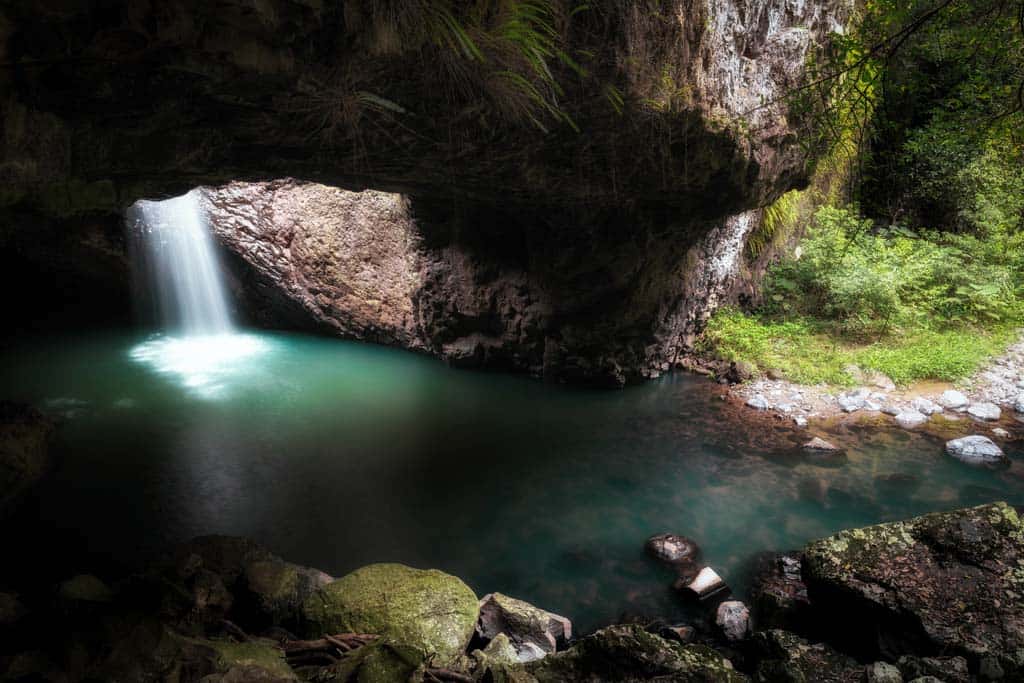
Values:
[(336, 454)]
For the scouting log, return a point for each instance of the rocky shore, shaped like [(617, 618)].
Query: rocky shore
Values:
[(992, 398), (935, 598)]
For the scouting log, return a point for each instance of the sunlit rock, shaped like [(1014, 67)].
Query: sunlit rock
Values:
[(952, 399), (984, 411), (908, 419), (975, 450)]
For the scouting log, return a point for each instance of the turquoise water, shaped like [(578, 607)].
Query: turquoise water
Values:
[(337, 454)]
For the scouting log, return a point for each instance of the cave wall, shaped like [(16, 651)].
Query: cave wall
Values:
[(591, 255)]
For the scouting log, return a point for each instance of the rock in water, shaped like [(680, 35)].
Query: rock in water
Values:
[(984, 411), (629, 653), (706, 583), (909, 419), (975, 450), (820, 445), (733, 617), (532, 632), (671, 548), (952, 399), (946, 582), (427, 610)]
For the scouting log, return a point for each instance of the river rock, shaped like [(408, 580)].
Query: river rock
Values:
[(784, 656), (1018, 404), (271, 593), (984, 411), (909, 419), (25, 435), (925, 406), (629, 653), (946, 582), (951, 669), (882, 672), (672, 548), (854, 400), (733, 618), (427, 610), (1000, 433), (892, 409), (704, 584), (800, 421), (975, 450), (952, 399), (532, 632), (758, 402), (819, 445)]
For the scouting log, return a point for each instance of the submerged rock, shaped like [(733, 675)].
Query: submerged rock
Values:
[(817, 444), (672, 548), (733, 618), (532, 632), (629, 653), (975, 450), (984, 411), (704, 584), (946, 582), (427, 610)]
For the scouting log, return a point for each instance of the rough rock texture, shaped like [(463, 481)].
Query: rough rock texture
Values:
[(784, 656), (672, 548), (945, 583), (733, 617), (592, 255), (778, 593), (976, 450), (428, 610), (24, 452), (532, 632), (628, 653)]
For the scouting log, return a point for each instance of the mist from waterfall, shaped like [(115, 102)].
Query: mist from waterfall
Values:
[(180, 280)]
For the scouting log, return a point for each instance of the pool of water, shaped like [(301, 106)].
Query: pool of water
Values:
[(337, 454)]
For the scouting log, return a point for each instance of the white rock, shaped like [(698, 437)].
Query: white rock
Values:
[(923, 405), (892, 410), (909, 419), (984, 411), (800, 421), (881, 672), (975, 450), (707, 582), (854, 400), (819, 444), (1001, 433), (1018, 404), (952, 399), (733, 618), (757, 402), (872, 406)]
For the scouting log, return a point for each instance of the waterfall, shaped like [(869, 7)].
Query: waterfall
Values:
[(177, 261), (179, 278)]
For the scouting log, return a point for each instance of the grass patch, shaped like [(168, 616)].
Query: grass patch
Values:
[(808, 351)]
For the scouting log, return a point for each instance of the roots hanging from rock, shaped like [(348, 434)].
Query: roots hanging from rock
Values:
[(323, 651)]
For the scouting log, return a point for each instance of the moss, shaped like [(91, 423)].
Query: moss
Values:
[(428, 610), (252, 654)]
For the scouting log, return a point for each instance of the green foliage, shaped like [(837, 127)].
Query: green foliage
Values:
[(780, 217)]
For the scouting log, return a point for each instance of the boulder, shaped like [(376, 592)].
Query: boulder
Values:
[(271, 592), (532, 632), (783, 656), (83, 589), (778, 594), (975, 450), (909, 419), (984, 411), (758, 402), (925, 406), (952, 399), (672, 548), (25, 435), (427, 610), (733, 618), (629, 653), (946, 582)]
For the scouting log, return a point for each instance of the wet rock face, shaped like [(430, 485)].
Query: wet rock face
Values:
[(531, 631), (945, 583)]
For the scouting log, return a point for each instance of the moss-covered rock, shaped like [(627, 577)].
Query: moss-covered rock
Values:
[(428, 610), (532, 632), (271, 592), (629, 653), (950, 583)]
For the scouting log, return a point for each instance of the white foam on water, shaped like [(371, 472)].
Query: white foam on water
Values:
[(207, 366)]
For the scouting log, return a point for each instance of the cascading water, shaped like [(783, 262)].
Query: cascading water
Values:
[(180, 277)]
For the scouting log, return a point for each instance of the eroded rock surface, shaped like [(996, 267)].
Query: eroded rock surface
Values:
[(944, 583)]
